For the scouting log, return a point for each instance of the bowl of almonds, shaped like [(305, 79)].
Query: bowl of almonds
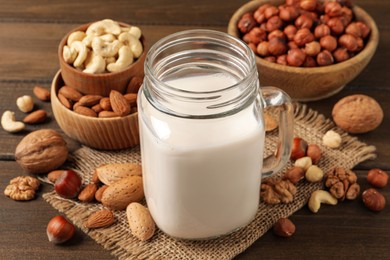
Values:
[(101, 122), (309, 48), (101, 56)]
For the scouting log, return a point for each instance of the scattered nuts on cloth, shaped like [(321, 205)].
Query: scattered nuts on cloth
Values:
[(118, 239)]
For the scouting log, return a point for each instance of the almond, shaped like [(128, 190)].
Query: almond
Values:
[(95, 177), (111, 173), (35, 117), (140, 221), (97, 108), (121, 193), (64, 101), (99, 193), (119, 103), (75, 105), (85, 111), (89, 100), (134, 85), (53, 175), (41, 93), (107, 114), (131, 98), (88, 193), (105, 103), (99, 219), (70, 93)]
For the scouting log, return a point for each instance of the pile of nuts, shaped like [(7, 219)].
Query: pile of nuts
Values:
[(105, 46), (116, 105), (304, 33)]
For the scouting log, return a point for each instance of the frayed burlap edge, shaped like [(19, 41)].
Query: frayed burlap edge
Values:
[(118, 240)]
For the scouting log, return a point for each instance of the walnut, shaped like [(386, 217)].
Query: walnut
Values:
[(275, 191), (41, 151), (22, 188), (342, 183)]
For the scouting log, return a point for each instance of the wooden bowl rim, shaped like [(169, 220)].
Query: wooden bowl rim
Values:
[(360, 14), (71, 113), (83, 28)]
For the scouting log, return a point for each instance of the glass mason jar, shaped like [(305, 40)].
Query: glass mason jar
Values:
[(202, 133)]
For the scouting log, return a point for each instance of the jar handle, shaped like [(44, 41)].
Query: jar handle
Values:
[(274, 97)]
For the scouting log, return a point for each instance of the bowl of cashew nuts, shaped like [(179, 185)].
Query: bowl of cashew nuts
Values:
[(101, 56)]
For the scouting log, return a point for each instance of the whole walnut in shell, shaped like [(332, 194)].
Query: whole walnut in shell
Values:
[(41, 151), (357, 114)]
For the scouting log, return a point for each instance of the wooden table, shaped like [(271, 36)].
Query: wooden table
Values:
[(29, 35)]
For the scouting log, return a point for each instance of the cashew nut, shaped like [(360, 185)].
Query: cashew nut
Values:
[(25, 103), (332, 139), (82, 52), (105, 49), (131, 41), (318, 197), (136, 31), (94, 64), (9, 123), (69, 54), (75, 36), (110, 60), (125, 58), (88, 40), (304, 163), (108, 37), (104, 26), (314, 174)]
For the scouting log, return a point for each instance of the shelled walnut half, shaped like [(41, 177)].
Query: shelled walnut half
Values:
[(342, 183), (22, 188), (275, 191)]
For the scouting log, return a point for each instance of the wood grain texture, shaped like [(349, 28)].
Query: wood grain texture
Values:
[(30, 32)]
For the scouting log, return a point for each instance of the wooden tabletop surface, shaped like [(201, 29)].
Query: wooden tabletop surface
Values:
[(29, 35)]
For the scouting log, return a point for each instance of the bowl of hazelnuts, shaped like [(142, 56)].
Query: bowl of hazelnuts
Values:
[(309, 48)]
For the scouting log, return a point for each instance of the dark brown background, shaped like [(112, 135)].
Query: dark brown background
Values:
[(29, 34)]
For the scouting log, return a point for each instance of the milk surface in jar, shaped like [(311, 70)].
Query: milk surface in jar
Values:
[(201, 176)]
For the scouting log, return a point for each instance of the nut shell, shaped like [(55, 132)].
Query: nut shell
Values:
[(41, 151), (357, 114)]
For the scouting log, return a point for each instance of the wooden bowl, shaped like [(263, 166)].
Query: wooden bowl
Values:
[(309, 84), (99, 133), (102, 83)]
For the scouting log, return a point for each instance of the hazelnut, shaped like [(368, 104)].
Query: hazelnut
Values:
[(303, 21), (335, 25), (255, 36), (271, 11), (282, 59), (346, 16), (321, 30), (270, 59), (324, 18), (299, 147), (288, 13), (290, 30), (312, 15), (246, 23), (341, 54), (295, 174), (328, 42), (364, 29), (333, 9), (252, 47), (277, 34), (377, 178), (360, 44), (293, 2), (292, 45), (332, 139), (262, 8), (314, 152), (373, 199), (325, 58), (259, 16), (303, 36), (309, 62), (262, 49), (349, 42), (274, 23), (353, 29), (284, 228), (308, 5), (314, 174), (296, 57), (277, 46), (312, 48)]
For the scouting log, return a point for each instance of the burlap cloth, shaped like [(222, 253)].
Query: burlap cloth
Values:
[(118, 240)]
